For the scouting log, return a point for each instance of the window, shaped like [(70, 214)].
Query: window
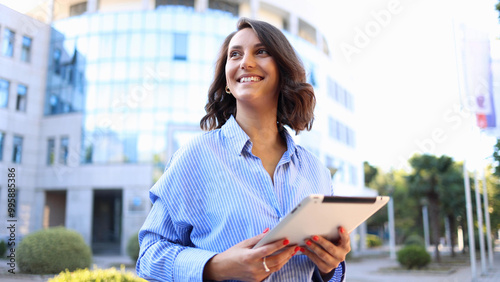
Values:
[(311, 78), (224, 5), (21, 98), (4, 93), (57, 61), (2, 137), (307, 31), (51, 151), (330, 84), (26, 49), (351, 137), (64, 150), (353, 174), (187, 3), (180, 46), (77, 9), (17, 149), (8, 43)]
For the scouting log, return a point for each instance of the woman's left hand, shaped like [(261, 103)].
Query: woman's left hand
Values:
[(326, 255)]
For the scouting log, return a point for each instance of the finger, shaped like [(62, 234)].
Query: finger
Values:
[(271, 248), (327, 252), (276, 261), (345, 239), (321, 264), (254, 240), (326, 245), (338, 250)]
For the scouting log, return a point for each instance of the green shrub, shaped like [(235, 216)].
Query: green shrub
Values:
[(373, 241), (3, 248), (414, 239), (86, 275), (53, 250), (413, 256), (133, 247)]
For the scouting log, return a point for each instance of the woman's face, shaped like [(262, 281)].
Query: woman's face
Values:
[(252, 74)]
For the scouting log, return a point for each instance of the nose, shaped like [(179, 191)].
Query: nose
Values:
[(248, 61)]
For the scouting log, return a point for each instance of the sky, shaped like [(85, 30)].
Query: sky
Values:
[(398, 58)]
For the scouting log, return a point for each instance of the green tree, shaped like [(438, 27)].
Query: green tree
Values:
[(496, 154), (393, 183), (493, 186), (425, 181), (370, 173), (451, 193), (493, 183)]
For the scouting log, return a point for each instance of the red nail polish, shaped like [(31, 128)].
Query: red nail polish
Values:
[(315, 238), (302, 249), (266, 230), (309, 243), (342, 230), (297, 249), (286, 242)]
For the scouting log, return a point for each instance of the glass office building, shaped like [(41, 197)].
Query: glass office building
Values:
[(139, 78)]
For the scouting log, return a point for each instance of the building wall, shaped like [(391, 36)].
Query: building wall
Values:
[(22, 123)]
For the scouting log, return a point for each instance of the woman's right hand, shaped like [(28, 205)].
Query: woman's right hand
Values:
[(241, 262)]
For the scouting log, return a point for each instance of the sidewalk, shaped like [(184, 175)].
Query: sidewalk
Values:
[(382, 268)]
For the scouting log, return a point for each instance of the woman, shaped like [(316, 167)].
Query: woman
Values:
[(242, 176)]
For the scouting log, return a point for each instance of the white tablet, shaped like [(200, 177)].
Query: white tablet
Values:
[(323, 215)]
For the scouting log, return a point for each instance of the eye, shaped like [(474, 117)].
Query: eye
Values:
[(262, 52), (233, 54)]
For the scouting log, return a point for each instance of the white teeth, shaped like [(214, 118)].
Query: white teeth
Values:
[(250, 78)]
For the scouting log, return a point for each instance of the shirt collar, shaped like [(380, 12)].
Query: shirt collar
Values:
[(239, 141), (234, 135), (291, 153)]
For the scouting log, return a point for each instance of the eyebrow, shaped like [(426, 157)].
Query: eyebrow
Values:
[(240, 47)]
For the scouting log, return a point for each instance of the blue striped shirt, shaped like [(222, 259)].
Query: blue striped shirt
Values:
[(213, 194)]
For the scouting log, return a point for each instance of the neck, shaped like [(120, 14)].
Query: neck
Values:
[(260, 126)]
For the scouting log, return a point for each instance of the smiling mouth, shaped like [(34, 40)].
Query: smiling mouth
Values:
[(250, 79)]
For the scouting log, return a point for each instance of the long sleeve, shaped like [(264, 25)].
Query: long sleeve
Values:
[(164, 255)]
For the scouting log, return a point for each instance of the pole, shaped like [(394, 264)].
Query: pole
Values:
[(470, 225), (392, 233), (480, 224), (487, 220), (426, 226)]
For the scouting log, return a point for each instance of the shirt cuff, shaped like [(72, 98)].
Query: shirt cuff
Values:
[(189, 264)]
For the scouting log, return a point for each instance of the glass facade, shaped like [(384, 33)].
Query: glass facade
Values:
[(139, 78)]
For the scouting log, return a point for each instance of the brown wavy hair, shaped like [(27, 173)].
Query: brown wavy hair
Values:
[(296, 100)]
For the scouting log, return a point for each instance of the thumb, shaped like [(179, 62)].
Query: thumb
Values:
[(254, 240)]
